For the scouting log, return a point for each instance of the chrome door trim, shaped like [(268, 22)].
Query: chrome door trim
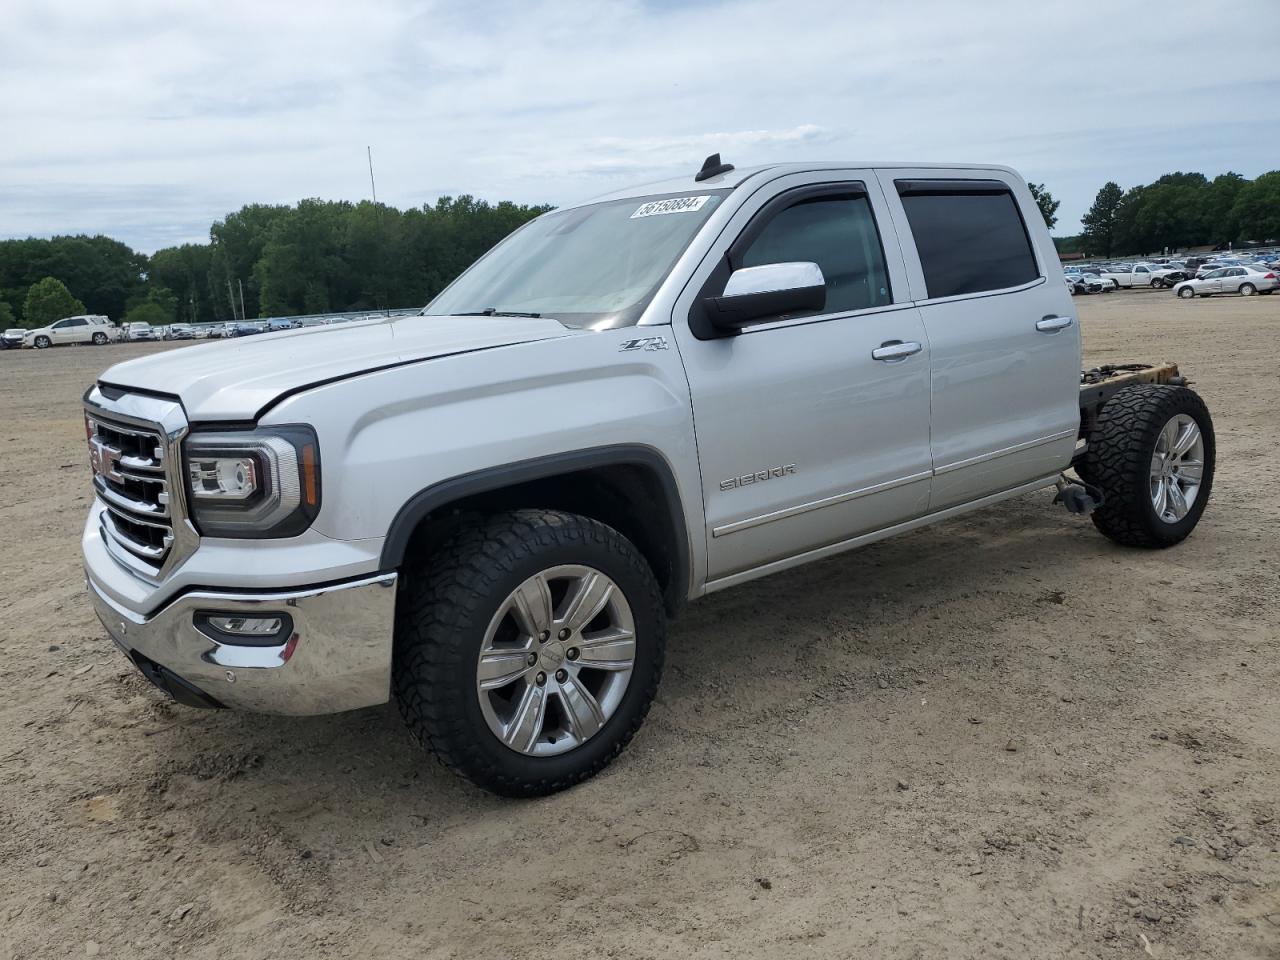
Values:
[(830, 550), (788, 512), (1004, 451)]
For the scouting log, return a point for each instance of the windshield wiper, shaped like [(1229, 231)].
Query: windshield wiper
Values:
[(491, 312)]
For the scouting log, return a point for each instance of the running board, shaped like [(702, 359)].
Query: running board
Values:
[(831, 550)]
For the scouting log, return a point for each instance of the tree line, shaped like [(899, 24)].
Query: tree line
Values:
[(320, 256), (316, 256), (1177, 211)]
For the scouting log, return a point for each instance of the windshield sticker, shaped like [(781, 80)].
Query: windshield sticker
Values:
[(656, 208)]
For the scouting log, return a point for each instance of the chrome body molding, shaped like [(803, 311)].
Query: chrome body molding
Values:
[(337, 658), (750, 522), (800, 508), (867, 538), (1005, 451)]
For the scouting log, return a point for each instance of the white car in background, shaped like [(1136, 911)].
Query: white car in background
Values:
[(1245, 281), (84, 328), (138, 330)]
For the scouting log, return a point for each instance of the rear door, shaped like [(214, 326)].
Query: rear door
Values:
[(1003, 336), (809, 431)]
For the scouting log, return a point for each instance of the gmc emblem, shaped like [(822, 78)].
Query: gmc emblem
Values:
[(104, 459)]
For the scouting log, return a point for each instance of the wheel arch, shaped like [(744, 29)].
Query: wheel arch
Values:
[(630, 487)]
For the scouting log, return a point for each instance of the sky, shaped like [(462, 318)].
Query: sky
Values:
[(147, 120)]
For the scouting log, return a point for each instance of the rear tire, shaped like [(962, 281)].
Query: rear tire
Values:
[(470, 598), (1154, 492), (1247, 289)]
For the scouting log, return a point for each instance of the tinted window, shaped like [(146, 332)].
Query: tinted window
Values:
[(969, 243), (838, 233)]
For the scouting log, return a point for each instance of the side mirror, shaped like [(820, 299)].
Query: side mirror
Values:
[(771, 290)]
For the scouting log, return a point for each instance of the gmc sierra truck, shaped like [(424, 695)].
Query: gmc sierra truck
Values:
[(489, 511)]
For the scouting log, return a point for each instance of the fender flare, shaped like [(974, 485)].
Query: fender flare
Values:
[(448, 491)]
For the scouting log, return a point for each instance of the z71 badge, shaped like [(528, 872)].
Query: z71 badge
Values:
[(760, 476), (644, 343)]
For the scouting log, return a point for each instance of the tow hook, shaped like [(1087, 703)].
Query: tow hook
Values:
[(1080, 497)]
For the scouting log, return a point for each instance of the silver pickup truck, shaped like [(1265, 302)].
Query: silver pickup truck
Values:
[(490, 511)]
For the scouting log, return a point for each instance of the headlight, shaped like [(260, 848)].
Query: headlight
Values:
[(253, 484)]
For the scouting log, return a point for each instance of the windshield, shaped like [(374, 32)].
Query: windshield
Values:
[(596, 266)]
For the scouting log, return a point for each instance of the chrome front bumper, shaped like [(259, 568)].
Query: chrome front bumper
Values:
[(338, 656)]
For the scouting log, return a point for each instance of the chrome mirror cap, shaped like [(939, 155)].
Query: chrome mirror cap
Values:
[(773, 278)]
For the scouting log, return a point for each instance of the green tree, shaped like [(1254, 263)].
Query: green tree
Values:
[(236, 243), (1044, 200), (1218, 202), (48, 300), (6, 316), (148, 312), (1257, 209), (185, 271), (1099, 234)]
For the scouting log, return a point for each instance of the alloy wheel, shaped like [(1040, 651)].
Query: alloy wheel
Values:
[(1177, 468), (556, 660)]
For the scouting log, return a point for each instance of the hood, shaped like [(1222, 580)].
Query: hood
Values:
[(236, 379)]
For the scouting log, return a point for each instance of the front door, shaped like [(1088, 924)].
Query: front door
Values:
[(68, 331), (805, 438)]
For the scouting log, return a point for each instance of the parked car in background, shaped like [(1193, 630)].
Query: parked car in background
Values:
[(12, 338), (282, 323), (1245, 281), (139, 330), (85, 328), (244, 329), (179, 331), (1104, 284), (1169, 276)]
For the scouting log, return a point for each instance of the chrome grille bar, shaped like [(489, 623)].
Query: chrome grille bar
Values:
[(134, 449)]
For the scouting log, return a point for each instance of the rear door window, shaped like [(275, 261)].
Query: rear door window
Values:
[(970, 236)]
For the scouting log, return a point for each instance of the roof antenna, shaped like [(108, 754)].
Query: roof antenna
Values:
[(712, 167)]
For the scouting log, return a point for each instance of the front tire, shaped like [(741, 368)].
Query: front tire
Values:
[(43, 343), (1187, 293), (1152, 454), (528, 650), (99, 339)]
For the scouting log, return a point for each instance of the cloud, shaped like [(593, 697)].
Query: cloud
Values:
[(148, 120)]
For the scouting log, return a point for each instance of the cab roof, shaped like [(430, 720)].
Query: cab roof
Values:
[(739, 175)]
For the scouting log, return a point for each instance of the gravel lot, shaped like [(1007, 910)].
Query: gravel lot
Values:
[(999, 737)]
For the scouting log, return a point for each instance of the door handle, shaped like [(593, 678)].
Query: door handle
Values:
[(1052, 324), (895, 351)]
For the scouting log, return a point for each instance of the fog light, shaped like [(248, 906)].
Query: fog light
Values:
[(247, 626), (270, 629)]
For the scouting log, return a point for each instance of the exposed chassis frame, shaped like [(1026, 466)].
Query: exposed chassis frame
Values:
[(1100, 384)]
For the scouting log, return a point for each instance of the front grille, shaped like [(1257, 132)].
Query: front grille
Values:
[(132, 480)]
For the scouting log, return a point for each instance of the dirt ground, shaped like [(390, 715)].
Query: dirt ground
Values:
[(999, 737)]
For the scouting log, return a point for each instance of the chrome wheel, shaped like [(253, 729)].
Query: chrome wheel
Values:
[(1177, 468), (556, 660)]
